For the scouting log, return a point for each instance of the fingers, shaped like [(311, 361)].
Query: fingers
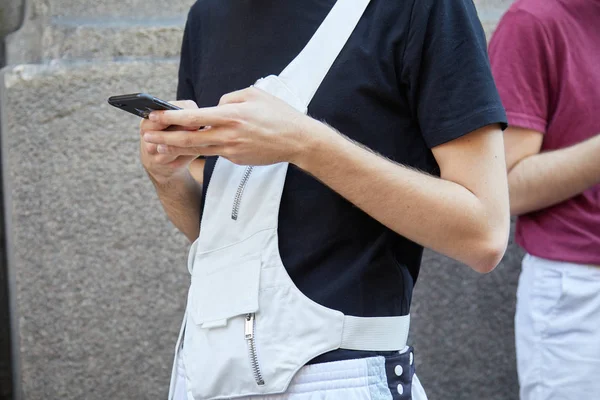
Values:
[(174, 152), (210, 116), (150, 148), (185, 104), (157, 157), (147, 125), (208, 137)]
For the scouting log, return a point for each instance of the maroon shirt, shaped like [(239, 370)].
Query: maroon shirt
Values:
[(545, 58)]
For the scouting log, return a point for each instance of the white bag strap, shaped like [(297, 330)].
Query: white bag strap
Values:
[(306, 72), (375, 333)]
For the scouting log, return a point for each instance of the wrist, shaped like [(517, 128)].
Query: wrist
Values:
[(316, 138), (587, 152), (161, 181)]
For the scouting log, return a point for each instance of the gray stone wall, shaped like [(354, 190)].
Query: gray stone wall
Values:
[(101, 275), (100, 272)]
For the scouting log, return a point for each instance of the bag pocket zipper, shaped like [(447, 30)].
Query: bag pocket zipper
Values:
[(240, 192), (250, 341)]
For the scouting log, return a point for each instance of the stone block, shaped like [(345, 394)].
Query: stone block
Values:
[(45, 40), (101, 274), (97, 30), (119, 8), (111, 38)]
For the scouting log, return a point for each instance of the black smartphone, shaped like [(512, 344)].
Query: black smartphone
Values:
[(140, 104)]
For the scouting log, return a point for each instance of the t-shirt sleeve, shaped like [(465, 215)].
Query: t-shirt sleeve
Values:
[(447, 71), (185, 84), (519, 54)]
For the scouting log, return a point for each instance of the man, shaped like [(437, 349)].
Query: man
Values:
[(409, 154), (545, 58)]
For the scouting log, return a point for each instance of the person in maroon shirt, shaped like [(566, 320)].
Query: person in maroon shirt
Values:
[(545, 57)]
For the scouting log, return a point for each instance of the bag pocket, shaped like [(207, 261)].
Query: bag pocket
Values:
[(226, 291)]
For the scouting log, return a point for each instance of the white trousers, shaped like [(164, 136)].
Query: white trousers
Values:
[(361, 379), (557, 330)]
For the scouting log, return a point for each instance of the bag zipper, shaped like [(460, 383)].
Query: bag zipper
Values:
[(240, 191), (249, 335)]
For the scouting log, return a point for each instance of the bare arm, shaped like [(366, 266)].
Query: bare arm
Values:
[(539, 180), (464, 214), (181, 200)]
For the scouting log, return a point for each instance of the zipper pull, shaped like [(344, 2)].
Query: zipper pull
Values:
[(249, 329)]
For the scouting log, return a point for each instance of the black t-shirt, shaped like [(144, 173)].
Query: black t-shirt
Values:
[(413, 75)]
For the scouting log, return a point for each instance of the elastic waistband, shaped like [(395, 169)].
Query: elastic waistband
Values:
[(364, 375), (346, 374)]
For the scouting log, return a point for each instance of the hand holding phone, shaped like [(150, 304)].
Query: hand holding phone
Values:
[(159, 166), (162, 167)]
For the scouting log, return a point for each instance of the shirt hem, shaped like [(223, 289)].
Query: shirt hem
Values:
[(526, 121), (468, 124), (560, 258)]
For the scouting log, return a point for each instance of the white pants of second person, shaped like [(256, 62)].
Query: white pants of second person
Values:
[(557, 330), (361, 379)]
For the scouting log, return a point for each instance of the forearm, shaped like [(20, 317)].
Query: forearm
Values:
[(439, 214), (546, 179), (181, 198)]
